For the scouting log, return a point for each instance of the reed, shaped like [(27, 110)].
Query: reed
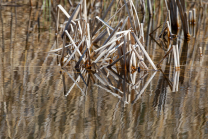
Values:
[(149, 6), (173, 15), (184, 18)]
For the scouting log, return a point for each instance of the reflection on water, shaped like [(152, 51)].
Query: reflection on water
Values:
[(162, 104)]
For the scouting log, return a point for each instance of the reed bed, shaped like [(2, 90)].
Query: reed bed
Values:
[(115, 40), (92, 41), (104, 47), (33, 105)]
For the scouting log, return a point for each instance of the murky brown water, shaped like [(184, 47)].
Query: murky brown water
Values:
[(33, 104)]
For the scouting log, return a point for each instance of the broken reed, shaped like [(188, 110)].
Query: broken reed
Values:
[(184, 18), (172, 7)]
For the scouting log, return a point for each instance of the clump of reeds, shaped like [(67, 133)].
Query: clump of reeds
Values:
[(102, 48), (107, 44), (91, 42)]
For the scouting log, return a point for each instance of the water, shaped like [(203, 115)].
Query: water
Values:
[(33, 104)]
